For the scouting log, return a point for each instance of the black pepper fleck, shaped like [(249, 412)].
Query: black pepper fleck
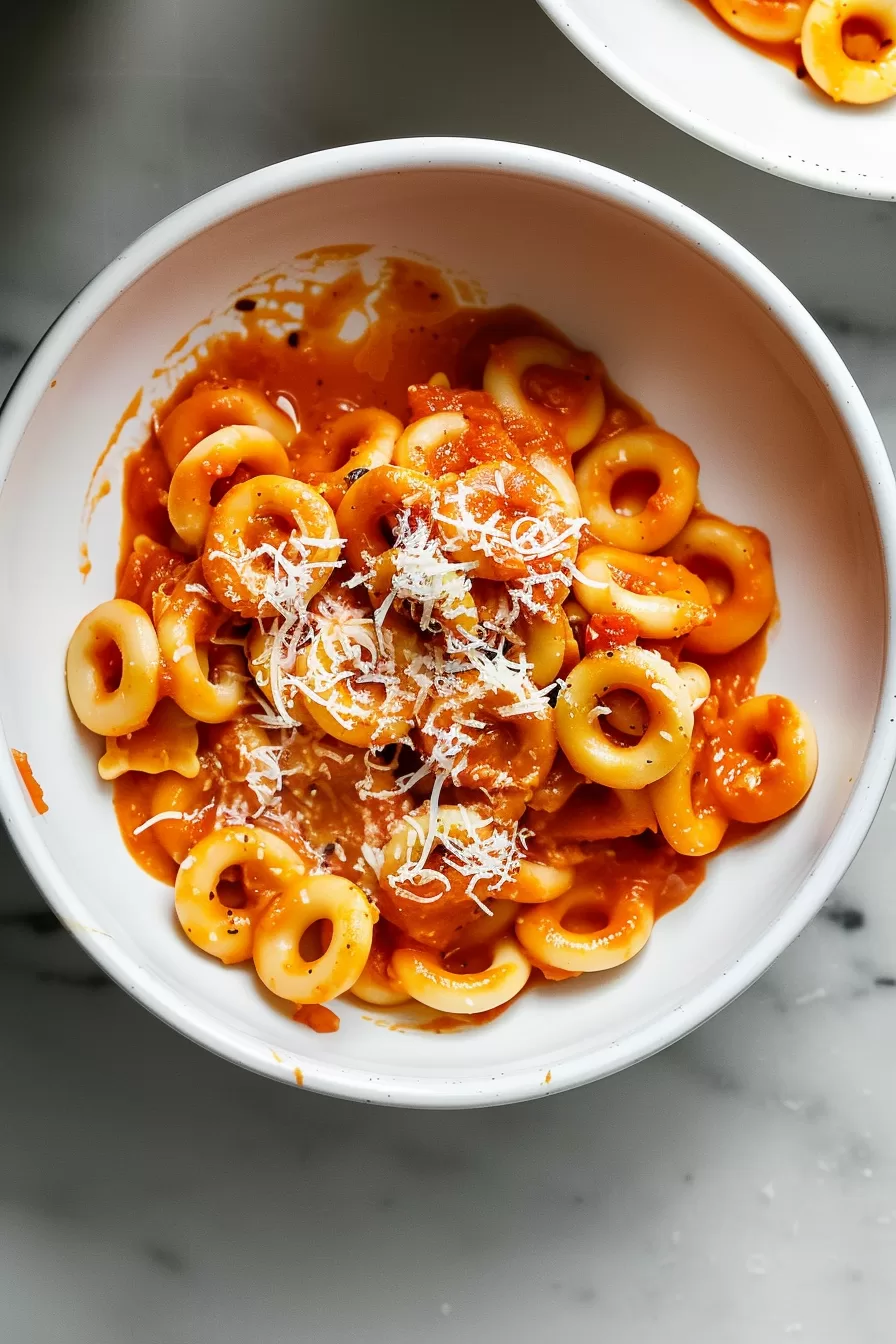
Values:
[(244, 305), (293, 339)]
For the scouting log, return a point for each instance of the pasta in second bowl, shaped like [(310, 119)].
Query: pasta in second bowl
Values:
[(803, 89), (282, 526)]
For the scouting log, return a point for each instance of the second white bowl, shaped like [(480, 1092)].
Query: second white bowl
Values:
[(669, 56)]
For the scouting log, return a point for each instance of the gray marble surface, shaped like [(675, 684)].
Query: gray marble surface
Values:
[(739, 1188)]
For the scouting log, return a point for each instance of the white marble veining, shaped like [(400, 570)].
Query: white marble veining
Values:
[(738, 1189)]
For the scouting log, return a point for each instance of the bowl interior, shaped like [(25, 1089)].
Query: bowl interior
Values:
[(671, 57), (679, 333)]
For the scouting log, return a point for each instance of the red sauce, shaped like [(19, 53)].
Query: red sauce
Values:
[(782, 53), (419, 329), (318, 1017), (32, 788)]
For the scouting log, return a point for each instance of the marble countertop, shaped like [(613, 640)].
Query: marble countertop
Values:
[(739, 1188)]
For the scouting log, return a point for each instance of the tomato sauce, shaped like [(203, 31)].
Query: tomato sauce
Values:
[(782, 53), (414, 328), (32, 788)]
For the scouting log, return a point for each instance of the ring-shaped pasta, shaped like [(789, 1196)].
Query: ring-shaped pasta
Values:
[(764, 20), (489, 747), (744, 554), (359, 441), (561, 479), (762, 759), (666, 737), (667, 509), (187, 808), (693, 825), (212, 460), (261, 648), (278, 933), (125, 707), (855, 67), (212, 406), (550, 646), (418, 445), (437, 589), (507, 520), (269, 865), (662, 596), (354, 681), (422, 974), (183, 626), (269, 529), (628, 916), (374, 501), (505, 377), (539, 882), (417, 844), (627, 714), (593, 812), (375, 985)]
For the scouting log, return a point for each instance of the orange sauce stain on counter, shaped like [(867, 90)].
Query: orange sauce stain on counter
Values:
[(32, 788)]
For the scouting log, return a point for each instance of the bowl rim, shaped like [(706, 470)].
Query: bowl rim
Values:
[(802, 171), (421, 155)]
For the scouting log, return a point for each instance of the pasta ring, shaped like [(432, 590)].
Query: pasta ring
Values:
[(360, 440), (191, 805), (666, 511), (375, 985), (691, 828), (663, 597), (487, 749), (373, 499), (869, 77), (665, 739), (595, 812), (550, 646), (354, 681), (629, 923), (260, 650), (227, 932), (539, 882), (210, 407), (239, 567), (763, 759), (422, 974), (278, 959), (212, 460), (627, 714), (764, 20), (417, 447), (184, 622), (126, 707), (504, 379), (744, 553), (408, 843), (561, 479), (509, 531)]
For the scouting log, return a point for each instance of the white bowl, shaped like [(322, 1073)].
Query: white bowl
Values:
[(690, 324), (669, 56)]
